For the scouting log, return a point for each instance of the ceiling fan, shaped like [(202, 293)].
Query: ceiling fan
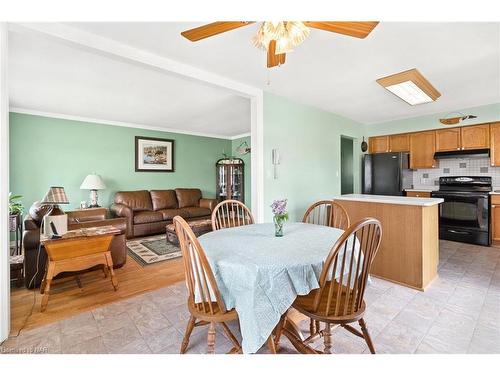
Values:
[(279, 38)]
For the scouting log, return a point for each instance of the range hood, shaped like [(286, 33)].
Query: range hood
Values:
[(479, 153)]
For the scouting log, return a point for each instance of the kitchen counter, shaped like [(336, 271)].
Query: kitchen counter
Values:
[(408, 201), (409, 251)]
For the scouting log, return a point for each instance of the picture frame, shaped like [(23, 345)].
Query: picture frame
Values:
[(154, 154)]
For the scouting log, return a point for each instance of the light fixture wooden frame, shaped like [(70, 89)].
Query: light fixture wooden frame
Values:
[(411, 75)]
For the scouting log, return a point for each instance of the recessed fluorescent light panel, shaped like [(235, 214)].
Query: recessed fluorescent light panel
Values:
[(411, 86)]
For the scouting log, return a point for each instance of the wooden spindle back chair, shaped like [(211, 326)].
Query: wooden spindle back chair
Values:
[(231, 213), (342, 283), (328, 213), (205, 302)]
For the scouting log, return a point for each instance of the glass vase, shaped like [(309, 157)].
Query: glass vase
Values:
[(278, 226)]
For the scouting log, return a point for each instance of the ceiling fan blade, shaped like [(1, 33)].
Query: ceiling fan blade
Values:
[(211, 29), (272, 58), (355, 29)]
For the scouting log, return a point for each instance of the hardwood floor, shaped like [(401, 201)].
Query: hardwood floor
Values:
[(66, 299)]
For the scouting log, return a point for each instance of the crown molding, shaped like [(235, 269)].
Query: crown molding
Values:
[(238, 136), (63, 116)]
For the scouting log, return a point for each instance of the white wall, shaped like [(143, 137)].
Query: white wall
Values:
[(4, 189)]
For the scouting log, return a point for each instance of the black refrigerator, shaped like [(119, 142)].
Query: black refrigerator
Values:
[(386, 173)]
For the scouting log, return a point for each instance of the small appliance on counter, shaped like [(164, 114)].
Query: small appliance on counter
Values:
[(386, 173), (464, 216)]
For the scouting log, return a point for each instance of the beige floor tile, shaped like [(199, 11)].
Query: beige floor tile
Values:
[(420, 313), (444, 340), (164, 338), (398, 338), (92, 346), (79, 334), (110, 323), (467, 297), (485, 340), (388, 306), (137, 346), (121, 337)]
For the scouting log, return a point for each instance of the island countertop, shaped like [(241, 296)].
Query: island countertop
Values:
[(389, 199)]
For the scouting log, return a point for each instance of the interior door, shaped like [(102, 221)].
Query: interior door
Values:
[(346, 166)]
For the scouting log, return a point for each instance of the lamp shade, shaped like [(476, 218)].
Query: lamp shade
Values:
[(93, 182), (55, 195)]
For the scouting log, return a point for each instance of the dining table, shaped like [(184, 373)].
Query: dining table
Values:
[(260, 275)]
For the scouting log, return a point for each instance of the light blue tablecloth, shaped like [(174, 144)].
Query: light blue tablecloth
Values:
[(260, 275)]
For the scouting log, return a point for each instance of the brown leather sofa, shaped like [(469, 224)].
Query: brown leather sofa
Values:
[(35, 261), (148, 212)]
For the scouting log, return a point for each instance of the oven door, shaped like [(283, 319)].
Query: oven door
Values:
[(464, 210)]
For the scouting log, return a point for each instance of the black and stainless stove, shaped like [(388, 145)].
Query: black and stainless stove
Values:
[(464, 216)]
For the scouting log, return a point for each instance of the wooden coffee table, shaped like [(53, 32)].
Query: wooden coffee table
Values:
[(199, 227)]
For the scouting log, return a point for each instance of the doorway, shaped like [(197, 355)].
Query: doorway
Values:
[(346, 165)]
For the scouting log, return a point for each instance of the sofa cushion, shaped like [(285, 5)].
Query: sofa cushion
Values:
[(163, 199), (139, 200), (197, 211), (188, 197), (143, 217), (170, 213)]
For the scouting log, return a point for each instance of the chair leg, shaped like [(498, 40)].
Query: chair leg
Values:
[(231, 337), (211, 338), (327, 336), (312, 327), (270, 344), (279, 330), (366, 335), (187, 334)]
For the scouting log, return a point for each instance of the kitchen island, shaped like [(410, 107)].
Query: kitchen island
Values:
[(409, 251)]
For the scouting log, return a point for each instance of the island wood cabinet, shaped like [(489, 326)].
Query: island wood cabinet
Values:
[(399, 143), (422, 149), (378, 144), (495, 144), (418, 194), (495, 219)]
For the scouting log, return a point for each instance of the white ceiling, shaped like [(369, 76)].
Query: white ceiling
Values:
[(338, 73), (48, 76)]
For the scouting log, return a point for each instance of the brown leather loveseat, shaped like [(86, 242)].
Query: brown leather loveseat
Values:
[(148, 212), (36, 257)]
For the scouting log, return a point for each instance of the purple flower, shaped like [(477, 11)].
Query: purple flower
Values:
[(279, 207)]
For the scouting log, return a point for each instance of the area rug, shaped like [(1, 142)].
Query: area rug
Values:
[(151, 250)]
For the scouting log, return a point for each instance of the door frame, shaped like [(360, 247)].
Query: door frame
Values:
[(4, 189)]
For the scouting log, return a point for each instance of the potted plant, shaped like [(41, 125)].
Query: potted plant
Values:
[(15, 211), (280, 216)]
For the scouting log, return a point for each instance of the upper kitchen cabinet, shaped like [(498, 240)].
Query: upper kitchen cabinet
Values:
[(422, 149), (448, 139), (378, 144), (475, 137), (399, 143), (495, 145)]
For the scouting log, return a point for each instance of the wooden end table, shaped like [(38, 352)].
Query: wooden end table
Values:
[(78, 250), (198, 227)]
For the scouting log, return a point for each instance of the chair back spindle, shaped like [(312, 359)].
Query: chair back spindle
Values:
[(345, 272), (231, 213), (328, 213), (204, 294)]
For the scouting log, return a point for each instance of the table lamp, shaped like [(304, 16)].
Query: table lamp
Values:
[(54, 197), (93, 182)]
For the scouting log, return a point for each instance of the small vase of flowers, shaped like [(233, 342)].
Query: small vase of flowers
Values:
[(280, 216)]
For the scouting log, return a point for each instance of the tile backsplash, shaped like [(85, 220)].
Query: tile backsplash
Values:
[(429, 178)]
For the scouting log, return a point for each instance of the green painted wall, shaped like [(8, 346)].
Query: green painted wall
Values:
[(485, 113), (247, 160), (48, 152), (308, 140)]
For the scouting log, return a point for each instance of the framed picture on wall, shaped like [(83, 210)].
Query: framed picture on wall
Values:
[(154, 154)]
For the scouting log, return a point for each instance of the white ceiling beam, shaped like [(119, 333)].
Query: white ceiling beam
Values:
[(108, 47)]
